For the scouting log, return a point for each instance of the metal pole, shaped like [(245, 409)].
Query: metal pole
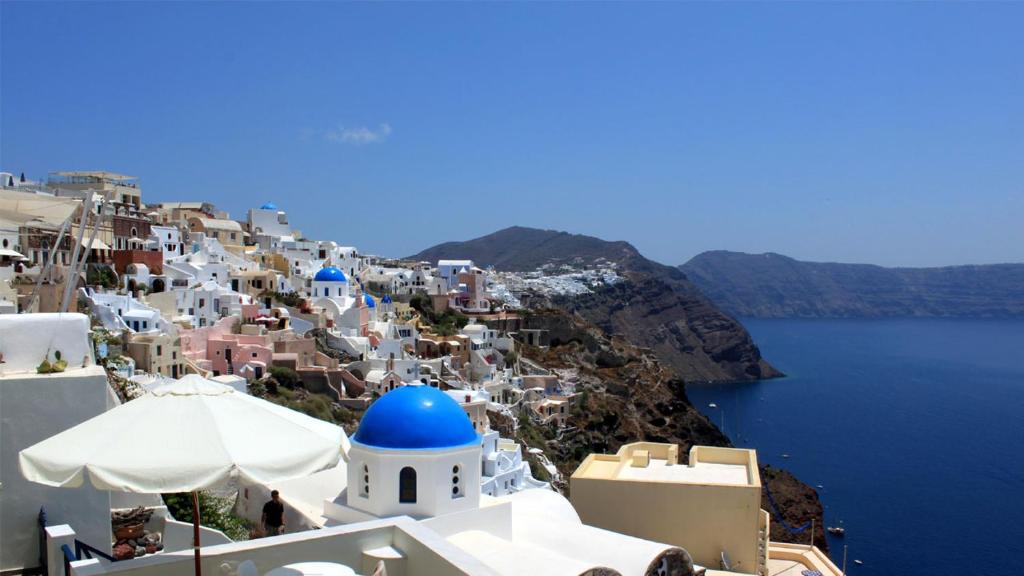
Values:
[(845, 547), (78, 266), (195, 532), (812, 532), (86, 210), (44, 267)]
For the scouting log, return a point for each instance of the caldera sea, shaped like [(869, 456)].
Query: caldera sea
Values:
[(914, 429)]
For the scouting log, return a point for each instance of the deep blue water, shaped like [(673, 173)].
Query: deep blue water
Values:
[(914, 428)]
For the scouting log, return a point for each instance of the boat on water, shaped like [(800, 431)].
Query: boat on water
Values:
[(858, 562), (836, 530), (785, 455), (712, 405)]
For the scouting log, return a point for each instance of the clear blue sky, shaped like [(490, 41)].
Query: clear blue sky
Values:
[(874, 132)]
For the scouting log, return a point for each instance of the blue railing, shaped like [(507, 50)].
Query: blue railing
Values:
[(83, 549), (69, 557)]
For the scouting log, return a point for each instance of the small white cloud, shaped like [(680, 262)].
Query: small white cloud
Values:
[(360, 135)]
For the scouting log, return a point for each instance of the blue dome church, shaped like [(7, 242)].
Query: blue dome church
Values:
[(330, 282), (415, 453)]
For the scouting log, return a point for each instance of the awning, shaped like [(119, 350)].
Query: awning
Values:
[(97, 244), (12, 254)]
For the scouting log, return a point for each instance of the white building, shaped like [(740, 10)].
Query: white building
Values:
[(448, 270), (122, 312), (166, 239), (269, 227)]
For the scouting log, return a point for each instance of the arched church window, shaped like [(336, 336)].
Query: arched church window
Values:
[(365, 492), (456, 482), (407, 485)]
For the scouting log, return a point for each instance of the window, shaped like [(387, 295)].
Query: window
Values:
[(253, 354), (159, 350), (364, 489), (456, 483), (407, 486)]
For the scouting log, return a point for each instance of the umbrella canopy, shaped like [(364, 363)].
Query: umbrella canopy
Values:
[(185, 436)]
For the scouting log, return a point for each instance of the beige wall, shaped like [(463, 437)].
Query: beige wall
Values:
[(704, 519), (157, 354)]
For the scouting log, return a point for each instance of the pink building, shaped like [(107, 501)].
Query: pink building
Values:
[(220, 350)]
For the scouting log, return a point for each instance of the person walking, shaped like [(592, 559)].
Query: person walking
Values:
[(273, 515)]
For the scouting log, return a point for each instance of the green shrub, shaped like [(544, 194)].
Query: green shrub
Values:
[(101, 276), (285, 377), (214, 512)]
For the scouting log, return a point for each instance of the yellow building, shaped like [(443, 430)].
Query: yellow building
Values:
[(228, 232), (156, 353), (710, 506), (123, 189)]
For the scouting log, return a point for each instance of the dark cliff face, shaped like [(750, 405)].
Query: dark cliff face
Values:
[(655, 306), (626, 395), (798, 503), (685, 330), (776, 286)]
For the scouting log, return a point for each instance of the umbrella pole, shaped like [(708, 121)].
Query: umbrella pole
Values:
[(195, 531)]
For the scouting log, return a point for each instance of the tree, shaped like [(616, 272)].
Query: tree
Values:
[(22, 176), (10, 181)]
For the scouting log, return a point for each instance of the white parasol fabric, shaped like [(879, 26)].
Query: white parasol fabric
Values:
[(189, 435)]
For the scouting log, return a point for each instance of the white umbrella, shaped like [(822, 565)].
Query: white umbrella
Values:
[(183, 437)]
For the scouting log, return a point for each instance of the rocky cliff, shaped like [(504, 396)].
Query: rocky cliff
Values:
[(626, 395), (654, 306), (776, 286)]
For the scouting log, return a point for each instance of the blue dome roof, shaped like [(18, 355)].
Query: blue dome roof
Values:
[(269, 206), (415, 417), (330, 274), (370, 302)]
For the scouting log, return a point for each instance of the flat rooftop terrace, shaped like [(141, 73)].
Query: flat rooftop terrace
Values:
[(655, 462), (701, 473)]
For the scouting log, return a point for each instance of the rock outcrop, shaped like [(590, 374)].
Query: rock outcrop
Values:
[(626, 395)]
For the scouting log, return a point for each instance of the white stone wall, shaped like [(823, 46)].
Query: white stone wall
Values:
[(435, 480), (35, 407)]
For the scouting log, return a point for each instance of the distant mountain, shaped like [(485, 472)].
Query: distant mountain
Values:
[(776, 286), (654, 307), (518, 248)]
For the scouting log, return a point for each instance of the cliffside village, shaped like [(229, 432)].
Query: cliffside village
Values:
[(105, 299)]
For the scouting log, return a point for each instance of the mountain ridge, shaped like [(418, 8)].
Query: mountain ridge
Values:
[(771, 285), (654, 306)]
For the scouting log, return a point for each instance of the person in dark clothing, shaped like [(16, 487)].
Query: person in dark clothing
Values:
[(273, 515)]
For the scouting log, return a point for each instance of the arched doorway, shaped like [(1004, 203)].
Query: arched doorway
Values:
[(158, 285), (407, 485)]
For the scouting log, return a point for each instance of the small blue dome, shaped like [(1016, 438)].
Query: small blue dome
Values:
[(269, 206), (386, 299), (415, 417), (370, 302), (330, 274)]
